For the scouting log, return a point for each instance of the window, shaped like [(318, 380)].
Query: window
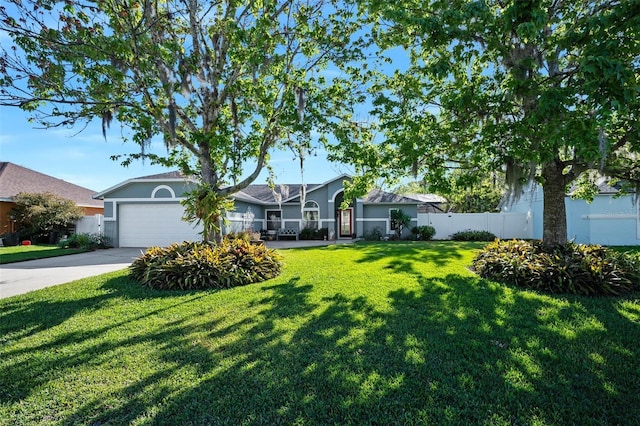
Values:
[(310, 215), (274, 219), (392, 216)]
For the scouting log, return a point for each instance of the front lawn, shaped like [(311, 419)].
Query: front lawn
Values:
[(13, 254), (385, 333)]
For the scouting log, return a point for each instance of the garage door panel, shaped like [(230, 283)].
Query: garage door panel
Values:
[(161, 224)]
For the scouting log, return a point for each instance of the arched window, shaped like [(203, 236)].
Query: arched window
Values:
[(310, 215)]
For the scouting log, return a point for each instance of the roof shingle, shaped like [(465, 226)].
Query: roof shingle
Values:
[(15, 179)]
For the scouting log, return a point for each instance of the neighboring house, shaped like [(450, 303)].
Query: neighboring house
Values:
[(15, 179), (608, 220), (146, 211)]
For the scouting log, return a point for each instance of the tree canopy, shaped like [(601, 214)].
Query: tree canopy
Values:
[(223, 82), (544, 90), (38, 214)]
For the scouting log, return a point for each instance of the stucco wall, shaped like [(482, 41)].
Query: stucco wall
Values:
[(145, 189), (379, 215), (607, 220)]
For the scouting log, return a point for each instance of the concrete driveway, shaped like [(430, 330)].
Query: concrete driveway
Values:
[(22, 277)]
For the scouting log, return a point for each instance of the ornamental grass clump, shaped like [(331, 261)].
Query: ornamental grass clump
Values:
[(205, 265), (559, 268)]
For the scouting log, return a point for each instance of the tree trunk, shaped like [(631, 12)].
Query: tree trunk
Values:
[(554, 214)]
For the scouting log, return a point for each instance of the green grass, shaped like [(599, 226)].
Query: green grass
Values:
[(385, 333), (21, 253)]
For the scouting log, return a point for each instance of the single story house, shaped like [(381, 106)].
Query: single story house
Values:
[(608, 220), (146, 211), (15, 179)]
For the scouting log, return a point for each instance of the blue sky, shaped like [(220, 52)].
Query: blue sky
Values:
[(84, 158)]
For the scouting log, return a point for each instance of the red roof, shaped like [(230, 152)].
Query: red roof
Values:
[(15, 179)]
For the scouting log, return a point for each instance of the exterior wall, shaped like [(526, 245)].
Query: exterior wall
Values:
[(370, 225), (607, 220), (531, 203), (379, 215), (612, 221), (90, 211), (238, 220), (291, 216), (578, 230), (152, 189), (6, 224), (111, 232)]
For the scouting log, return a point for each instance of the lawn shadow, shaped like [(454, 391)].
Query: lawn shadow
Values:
[(25, 316), (452, 349), (459, 351), (401, 256)]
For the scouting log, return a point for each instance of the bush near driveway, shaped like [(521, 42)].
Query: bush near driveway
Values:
[(204, 265)]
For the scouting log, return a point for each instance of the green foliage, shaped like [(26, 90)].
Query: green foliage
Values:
[(399, 220), (206, 205), (40, 213), (374, 234), (559, 268), (85, 241), (204, 265), (423, 232), (314, 234), (480, 198), (470, 235)]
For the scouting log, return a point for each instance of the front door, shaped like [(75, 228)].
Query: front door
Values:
[(346, 225)]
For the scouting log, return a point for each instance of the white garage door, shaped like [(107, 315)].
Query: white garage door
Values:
[(146, 225)]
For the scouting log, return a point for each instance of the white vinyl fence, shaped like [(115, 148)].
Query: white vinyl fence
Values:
[(90, 225), (502, 225)]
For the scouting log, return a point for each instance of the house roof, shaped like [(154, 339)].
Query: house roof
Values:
[(378, 196), (163, 176), (427, 198), (264, 193), (15, 179)]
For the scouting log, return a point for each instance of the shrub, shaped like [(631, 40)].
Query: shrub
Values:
[(38, 214), (424, 232), (204, 265), (374, 234), (85, 241), (568, 268), (307, 234), (314, 234), (470, 235), (242, 235)]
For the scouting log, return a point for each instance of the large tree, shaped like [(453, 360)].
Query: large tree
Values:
[(545, 90), (223, 81)]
